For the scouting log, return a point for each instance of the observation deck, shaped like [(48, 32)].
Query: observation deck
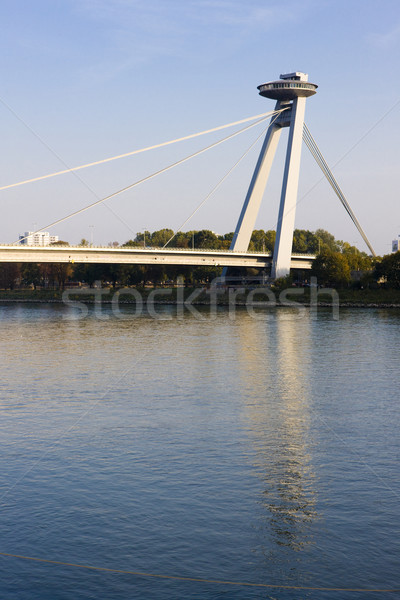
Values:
[(288, 87)]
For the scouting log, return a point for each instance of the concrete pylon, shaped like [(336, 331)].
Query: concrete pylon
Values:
[(291, 92), (252, 203)]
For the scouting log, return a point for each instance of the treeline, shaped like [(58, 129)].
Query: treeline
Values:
[(304, 241), (336, 264), (60, 275), (340, 269)]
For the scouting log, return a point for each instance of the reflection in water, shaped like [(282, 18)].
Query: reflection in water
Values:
[(189, 447), (273, 354)]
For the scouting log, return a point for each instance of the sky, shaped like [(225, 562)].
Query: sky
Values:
[(83, 80)]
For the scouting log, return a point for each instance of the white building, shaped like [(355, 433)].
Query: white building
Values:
[(37, 238)]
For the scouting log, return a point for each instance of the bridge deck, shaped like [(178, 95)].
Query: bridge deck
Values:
[(144, 256)]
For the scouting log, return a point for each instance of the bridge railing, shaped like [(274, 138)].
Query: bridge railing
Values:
[(147, 249)]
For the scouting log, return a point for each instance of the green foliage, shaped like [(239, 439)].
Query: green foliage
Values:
[(282, 283), (115, 274), (205, 274), (305, 241), (270, 236), (331, 268), (262, 241), (161, 237), (206, 239), (131, 244), (88, 273), (9, 275), (62, 273), (182, 240), (327, 240), (143, 238), (31, 274), (225, 241), (333, 265), (388, 269), (61, 243), (137, 275), (358, 261)]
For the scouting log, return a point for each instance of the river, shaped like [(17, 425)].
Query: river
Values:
[(247, 448)]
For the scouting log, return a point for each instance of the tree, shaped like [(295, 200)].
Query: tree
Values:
[(115, 274), (270, 237), (88, 273), (9, 274), (156, 274), (206, 274), (226, 240), (48, 274), (131, 244), (206, 239), (327, 239), (62, 272), (358, 261), (331, 268), (182, 240), (305, 242), (31, 274), (161, 237), (143, 238), (137, 275), (257, 240), (388, 268)]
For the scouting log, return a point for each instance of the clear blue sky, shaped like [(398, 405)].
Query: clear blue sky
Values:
[(82, 80)]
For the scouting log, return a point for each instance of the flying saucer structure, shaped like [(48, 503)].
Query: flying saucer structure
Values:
[(288, 87)]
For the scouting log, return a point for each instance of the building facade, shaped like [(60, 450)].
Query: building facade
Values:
[(37, 238)]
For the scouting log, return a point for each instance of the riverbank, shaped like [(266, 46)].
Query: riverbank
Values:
[(385, 298)]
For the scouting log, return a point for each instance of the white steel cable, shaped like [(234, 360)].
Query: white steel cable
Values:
[(221, 180), (320, 161), (328, 174), (136, 183), (106, 160), (59, 158), (322, 164), (312, 146)]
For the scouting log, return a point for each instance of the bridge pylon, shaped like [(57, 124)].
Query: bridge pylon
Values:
[(290, 92)]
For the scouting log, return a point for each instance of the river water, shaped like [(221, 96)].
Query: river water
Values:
[(256, 448)]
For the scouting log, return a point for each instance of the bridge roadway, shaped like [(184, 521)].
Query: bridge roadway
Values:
[(144, 256)]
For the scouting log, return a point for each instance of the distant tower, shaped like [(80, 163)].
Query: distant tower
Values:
[(290, 92)]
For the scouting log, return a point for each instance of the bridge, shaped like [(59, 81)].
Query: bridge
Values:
[(145, 256), (290, 93)]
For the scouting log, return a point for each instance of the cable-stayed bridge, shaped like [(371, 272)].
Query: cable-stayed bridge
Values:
[(290, 93)]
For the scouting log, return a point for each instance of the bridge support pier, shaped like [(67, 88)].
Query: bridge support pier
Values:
[(287, 209)]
